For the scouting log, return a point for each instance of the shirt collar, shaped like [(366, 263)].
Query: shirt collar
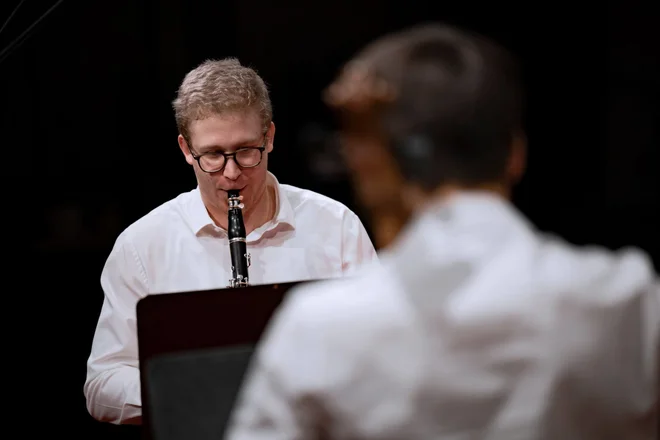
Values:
[(463, 227), (451, 241), (199, 218)]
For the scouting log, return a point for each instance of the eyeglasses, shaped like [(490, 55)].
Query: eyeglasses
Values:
[(215, 161)]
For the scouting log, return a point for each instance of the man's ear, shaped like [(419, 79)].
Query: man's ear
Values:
[(185, 149), (270, 137), (518, 158)]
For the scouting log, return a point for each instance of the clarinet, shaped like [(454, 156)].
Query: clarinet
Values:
[(240, 259)]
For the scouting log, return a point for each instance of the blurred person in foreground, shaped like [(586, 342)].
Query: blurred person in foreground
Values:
[(226, 134), (476, 325)]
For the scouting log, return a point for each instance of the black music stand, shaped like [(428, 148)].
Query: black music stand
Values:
[(194, 348)]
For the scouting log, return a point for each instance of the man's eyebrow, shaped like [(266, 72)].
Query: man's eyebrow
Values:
[(209, 148), (225, 149)]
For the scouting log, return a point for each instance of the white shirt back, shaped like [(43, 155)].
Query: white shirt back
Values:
[(475, 326), (177, 247)]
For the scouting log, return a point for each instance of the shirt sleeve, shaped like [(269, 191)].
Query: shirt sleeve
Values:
[(611, 355), (112, 386), (278, 400), (357, 247)]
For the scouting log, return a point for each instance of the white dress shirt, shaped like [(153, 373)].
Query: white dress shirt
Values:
[(177, 247), (474, 326)]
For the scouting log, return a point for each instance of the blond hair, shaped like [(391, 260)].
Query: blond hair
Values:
[(217, 87)]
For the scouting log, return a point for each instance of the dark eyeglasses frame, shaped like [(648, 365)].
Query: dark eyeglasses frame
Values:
[(227, 156)]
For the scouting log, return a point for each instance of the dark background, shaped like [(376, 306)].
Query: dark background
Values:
[(89, 139)]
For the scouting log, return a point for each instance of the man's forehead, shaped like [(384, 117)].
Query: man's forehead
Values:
[(229, 145), (225, 131)]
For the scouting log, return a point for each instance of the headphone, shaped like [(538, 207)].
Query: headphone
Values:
[(416, 156)]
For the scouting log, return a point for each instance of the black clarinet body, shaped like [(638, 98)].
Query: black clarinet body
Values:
[(240, 259)]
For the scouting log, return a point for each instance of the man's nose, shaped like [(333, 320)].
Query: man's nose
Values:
[(232, 170)]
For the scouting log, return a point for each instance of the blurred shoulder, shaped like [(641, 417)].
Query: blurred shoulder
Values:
[(594, 274), (365, 300)]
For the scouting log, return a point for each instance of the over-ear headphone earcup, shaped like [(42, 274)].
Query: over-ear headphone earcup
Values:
[(415, 155)]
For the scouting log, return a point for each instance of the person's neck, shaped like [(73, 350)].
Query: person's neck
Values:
[(419, 199), (388, 222), (261, 212)]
